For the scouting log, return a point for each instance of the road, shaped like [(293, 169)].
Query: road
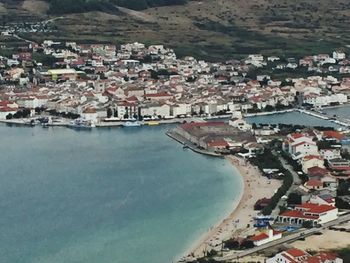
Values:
[(287, 239), (295, 185)]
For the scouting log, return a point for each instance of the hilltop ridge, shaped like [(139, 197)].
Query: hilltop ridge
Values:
[(208, 29)]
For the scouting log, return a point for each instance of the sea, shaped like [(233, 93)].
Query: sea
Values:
[(108, 195), (121, 195), (294, 118)]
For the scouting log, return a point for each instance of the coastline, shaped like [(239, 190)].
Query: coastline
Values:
[(236, 222)]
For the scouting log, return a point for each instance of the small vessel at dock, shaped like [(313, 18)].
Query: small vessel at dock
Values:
[(81, 124), (132, 124), (152, 123)]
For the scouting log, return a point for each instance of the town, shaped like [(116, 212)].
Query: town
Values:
[(101, 85)]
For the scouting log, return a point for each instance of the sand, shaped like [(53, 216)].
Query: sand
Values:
[(334, 240), (236, 224)]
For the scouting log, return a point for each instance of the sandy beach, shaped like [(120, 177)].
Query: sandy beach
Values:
[(240, 221)]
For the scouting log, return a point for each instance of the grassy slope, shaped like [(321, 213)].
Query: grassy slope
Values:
[(219, 29)]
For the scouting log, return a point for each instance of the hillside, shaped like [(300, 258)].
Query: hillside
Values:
[(216, 29)]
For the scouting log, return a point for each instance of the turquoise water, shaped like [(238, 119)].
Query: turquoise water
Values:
[(106, 195), (295, 118)]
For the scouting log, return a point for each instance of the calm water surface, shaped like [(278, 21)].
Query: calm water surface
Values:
[(343, 112), (295, 118), (106, 195)]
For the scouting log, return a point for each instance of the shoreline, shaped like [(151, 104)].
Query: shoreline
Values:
[(235, 223), (200, 244)]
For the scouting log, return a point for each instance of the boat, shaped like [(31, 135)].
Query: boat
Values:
[(31, 123), (153, 123), (132, 124), (81, 124)]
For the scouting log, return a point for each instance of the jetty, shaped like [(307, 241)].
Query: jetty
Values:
[(188, 144)]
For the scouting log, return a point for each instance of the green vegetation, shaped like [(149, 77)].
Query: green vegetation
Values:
[(78, 6), (81, 6), (287, 183), (46, 60), (144, 4), (268, 160), (344, 253)]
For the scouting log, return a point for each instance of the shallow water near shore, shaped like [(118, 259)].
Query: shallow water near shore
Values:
[(106, 195)]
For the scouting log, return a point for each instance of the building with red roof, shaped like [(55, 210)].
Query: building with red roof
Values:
[(333, 135), (339, 164), (299, 145), (314, 184), (312, 160), (317, 172), (315, 213), (294, 255), (265, 237)]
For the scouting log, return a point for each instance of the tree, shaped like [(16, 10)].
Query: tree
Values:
[(294, 199), (308, 224), (247, 244), (109, 113), (232, 244)]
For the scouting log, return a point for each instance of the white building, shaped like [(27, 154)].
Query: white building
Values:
[(317, 214), (318, 101), (300, 145), (264, 238), (338, 55), (156, 110), (309, 161), (6, 111), (294, 255), (90, 114), (291, 255), (181, 109)]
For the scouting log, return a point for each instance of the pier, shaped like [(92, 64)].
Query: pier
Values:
[(187, 144)]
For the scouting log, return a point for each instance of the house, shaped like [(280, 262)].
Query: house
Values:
[(307, 212), (56, 74), (333, 136), (90, 114), (158, 96), (329, 154), (155, 110), (217, 145), (314, 184), (293, 255), (324, 257), (322, 199), (299, 145), (265, 237), (240, 124), (339, 164), (310, 161), (317, 172), (338, 55), (4, 111)]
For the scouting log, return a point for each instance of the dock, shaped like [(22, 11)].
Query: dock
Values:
[(187, 144)]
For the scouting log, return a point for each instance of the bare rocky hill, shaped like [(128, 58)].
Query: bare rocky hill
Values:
[(214, 29)]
